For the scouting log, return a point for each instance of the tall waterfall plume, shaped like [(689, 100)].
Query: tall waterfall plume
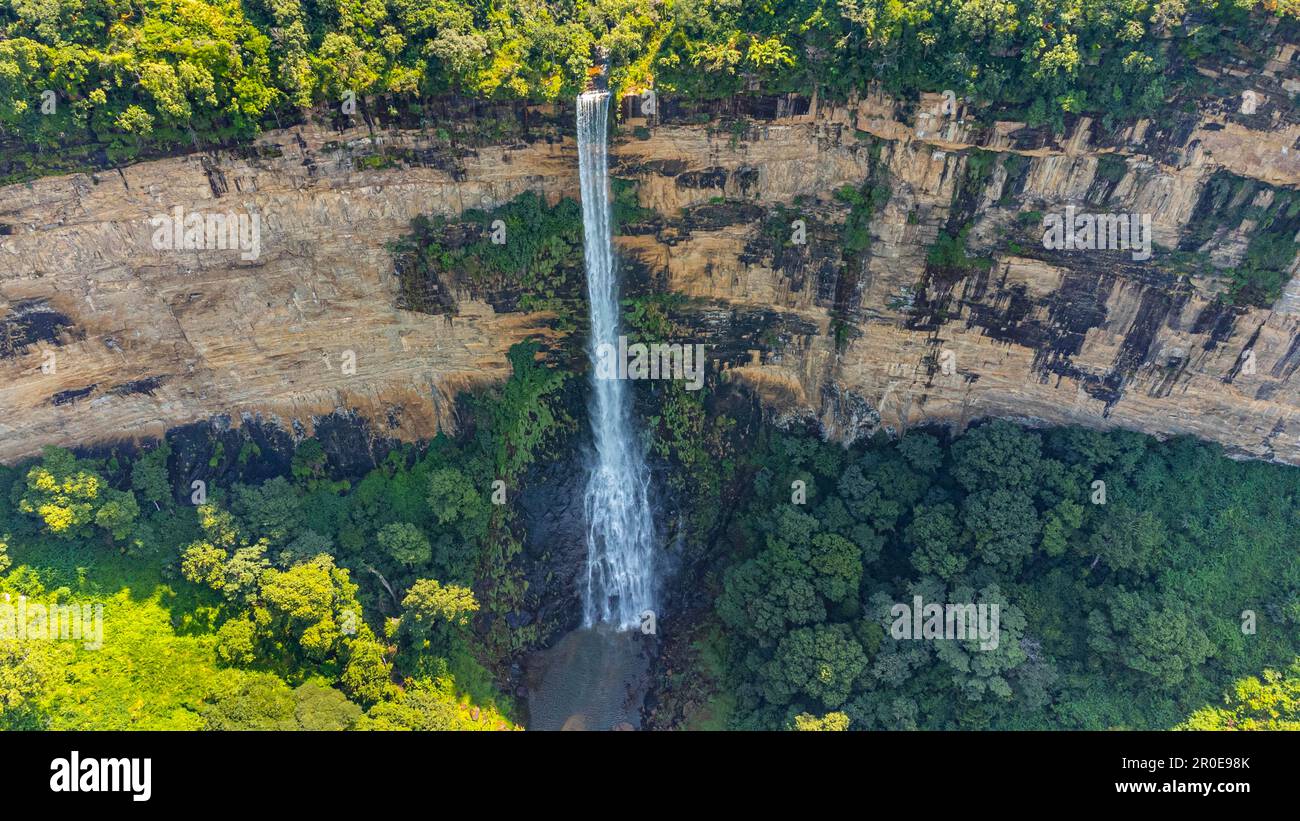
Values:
[(620, 531)]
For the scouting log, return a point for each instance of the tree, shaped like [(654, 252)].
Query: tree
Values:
[(242, 574), (289, 44), (321, 708), (1158, 638), (820, 663), (406, 544), (937, 541), (1117, 452), (62, 493), (306, 605), (67, 495), (869, 497), (237, 641), (429, 606), (309, 461), (764, 596), (28, 672), (205, 563), (1272, 703), (428, 704), (455, 501), (262, 701), (149, 477), (831, 722), (526, 414), (983, 667), (254, 701), (1000, 455), (118, 513), (218, 526), (344, 66), (1127, 539), (1004, 526), (837, 566), (1059, 524), (308, 545), (921, 451), (271, 510), (366, 670), (422, 708)]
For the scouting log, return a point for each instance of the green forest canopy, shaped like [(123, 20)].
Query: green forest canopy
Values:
[(1128, 608), (301, 602), (307, 603), (135, 74)]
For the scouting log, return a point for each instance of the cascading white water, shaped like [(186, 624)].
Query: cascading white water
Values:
[(620, 532)]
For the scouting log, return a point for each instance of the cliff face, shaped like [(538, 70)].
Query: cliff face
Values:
[(860, 338), (860, 325), (140, 339)]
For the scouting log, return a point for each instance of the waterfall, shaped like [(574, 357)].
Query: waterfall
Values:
[(620, 533)]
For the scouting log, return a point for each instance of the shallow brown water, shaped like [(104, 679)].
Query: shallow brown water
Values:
[(592, 679)]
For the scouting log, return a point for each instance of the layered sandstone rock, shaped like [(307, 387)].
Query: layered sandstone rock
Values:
[(1084, 337), (135, 340), (145, 339)]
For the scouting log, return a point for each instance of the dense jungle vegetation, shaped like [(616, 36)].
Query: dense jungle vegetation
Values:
[(301, 602), (98, 82), (1129, 604), (313, 599), (304, 602), (318, 600)]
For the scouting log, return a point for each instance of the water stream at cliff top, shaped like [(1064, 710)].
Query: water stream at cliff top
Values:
[(620, 531)]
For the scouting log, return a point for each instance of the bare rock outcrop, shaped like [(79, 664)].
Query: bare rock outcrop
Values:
[(108, 336), (105, 335)]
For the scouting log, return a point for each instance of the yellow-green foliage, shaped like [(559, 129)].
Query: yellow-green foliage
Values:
[(432, 704), (158, 669), (1252, 704), (64, 501), (161, 73), (271, 621), (146, 676), (831, 722)]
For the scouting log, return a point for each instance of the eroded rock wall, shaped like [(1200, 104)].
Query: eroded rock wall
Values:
[(105, 336), (856, 337), (1089, 337)]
